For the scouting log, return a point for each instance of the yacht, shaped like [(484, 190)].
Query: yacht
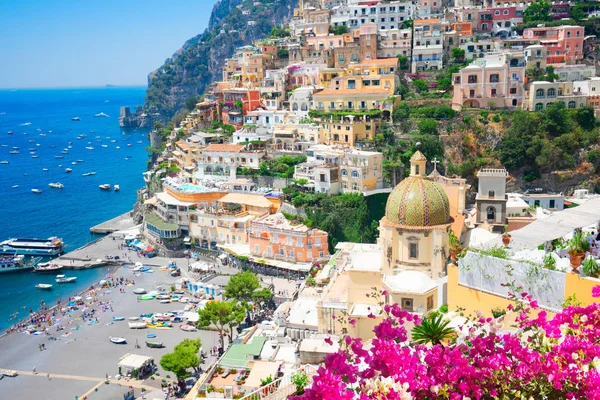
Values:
[(47, 267), (35, 156), (128, 144), (118, 147), (56, 185), (75, 119), (68, 170), (3, 162), (105, 145), (104, 186), (79, 160), (14, 264), (117, 188), (15, 186), (32, 247), (45, 169), (36, 190), (65, 279), (101, 115), (89, 148), (10, 132)]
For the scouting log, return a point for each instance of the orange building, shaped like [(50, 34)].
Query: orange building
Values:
[(275, 237)]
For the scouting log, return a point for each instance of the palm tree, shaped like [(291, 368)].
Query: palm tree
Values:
[(432, 330)]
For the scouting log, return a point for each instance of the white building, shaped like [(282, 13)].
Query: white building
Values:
[(220, 161)]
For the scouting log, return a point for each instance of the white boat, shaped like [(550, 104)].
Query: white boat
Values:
[(3, 162), (79, 160), (59, 156), (65, 279), (68, 170), (101, 115), (44, 286), (14, 264), (36, 190), (35, 156), (118, 340), (137, 325), (128, 144), (45, 169), (74, 162), (75, 119), (14, 152), (47, 268), (15, 186), (89, 148), (56, 185), (117, 188), (104, 186), (113, 141), (105, 145), (139, 142)]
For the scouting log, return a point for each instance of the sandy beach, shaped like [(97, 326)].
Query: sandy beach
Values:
[(81, 357)]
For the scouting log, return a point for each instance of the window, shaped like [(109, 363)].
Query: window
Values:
[(341, 58), (578, 33), (551, 92), (321, 253), (472, 78), (350, 105), (281, 252), (289, 240), (351, 84), (491, 213), (497, 12), (413, 248), (493, 92), (491, 194), (513, 90), (375, 82), (275, 237), (256, 249), (292, 254), (494, 78), (484, 27), (344, 172), (568, 34), (536, 203), (407, 304), (572, 104), (429, 303), (539, 107), (553, 202), (514, 102), (539, 93), (355, 174), (505, 12)]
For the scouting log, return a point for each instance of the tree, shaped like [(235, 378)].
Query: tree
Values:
[(577, 14), (283, 52), (444, 84), (458, 54), (224, 315), (184, 356), (428, 127), (432, 330), (241, 286), (420, 85), (191, 102), (403, 63), (537, 11), (338, 30), (392, 170), (262, 295)]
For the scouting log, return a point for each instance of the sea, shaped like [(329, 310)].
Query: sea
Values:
[(42, 128)]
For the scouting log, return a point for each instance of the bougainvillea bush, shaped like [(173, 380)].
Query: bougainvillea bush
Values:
[(543, 358)]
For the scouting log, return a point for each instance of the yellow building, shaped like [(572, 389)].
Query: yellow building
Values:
[(347, 130), (377, 73)]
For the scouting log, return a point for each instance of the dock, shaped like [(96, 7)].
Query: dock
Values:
[(122, 222)]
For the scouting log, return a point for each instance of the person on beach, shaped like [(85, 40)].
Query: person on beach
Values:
[(34, 370)]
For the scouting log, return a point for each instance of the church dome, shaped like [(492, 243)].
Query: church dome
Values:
[(418, 201)]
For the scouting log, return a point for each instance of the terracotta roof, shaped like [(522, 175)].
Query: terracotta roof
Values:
[(234, 148), (380, 61), (363, 91), (255, 200), (183, 145), (425, 21)]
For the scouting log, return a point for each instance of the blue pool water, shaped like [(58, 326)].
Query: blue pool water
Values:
[(70, 212)]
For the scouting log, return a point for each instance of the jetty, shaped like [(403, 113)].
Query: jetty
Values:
[(122, 222)]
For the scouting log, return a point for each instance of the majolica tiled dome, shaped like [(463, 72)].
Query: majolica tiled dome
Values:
[(418, 201)]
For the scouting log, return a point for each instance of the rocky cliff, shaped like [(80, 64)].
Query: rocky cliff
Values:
[(233, 23)]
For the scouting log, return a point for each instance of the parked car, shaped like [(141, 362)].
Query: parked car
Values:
[(176, 272)]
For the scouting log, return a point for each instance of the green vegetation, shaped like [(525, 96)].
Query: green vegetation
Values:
[(374, 113), (183, 357), (405, 110), (433, 329), (338, 30), (245, 287), (538, 11), (280, 167), (224, 315)]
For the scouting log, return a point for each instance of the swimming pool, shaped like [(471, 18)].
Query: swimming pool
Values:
[(190, 188)]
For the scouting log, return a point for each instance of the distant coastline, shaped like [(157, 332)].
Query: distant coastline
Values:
[(111, 86)]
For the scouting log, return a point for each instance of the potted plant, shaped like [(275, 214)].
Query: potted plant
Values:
[(590, 268), (578, 245), (549, 262), (506, 236), (454, 245)]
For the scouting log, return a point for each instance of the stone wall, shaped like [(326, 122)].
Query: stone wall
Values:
[(268, 181)]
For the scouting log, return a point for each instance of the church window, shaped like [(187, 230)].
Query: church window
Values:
[(413, 250), (407, 304), (491, 194), (491, 213)]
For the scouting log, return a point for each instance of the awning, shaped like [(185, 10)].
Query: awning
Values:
[(149, 249), (135, 361), (191, 316), (555, 226)]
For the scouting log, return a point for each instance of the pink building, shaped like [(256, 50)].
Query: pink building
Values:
[(491, 82), (499, 21), (563, 43)]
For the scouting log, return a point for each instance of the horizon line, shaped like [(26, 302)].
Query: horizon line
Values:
[(106, 86)]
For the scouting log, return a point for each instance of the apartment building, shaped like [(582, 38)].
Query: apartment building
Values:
[(394, 43), (381, 72), (492, 81), (563, 43), (428, 45), (184, 154), (499, 21), (275, 237), (348, 130), (221, 161), (542, 94), (386, 15)]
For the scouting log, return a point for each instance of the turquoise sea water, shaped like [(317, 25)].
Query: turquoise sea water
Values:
[(70, 212)]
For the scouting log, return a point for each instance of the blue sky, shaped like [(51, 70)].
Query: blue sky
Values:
[(66, 43)]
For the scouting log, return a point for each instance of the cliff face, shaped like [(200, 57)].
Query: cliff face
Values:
[(198, 63)]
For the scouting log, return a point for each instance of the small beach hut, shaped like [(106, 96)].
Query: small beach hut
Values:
[(135, 365)]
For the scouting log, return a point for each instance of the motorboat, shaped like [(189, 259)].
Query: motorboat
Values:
[(44, 286), (118, 318), (105, 146), (65, 279), (113, 141), (47, 267), (79, 161), (75, 119), (153, 344), (56, 185), (117, 188), (35, 156), (15, 186), (3, 162), (89, 148), (36, 190), (188, 328), (104, 186), (139, 142), (45, 169), (68, 170), (128, 144), (14, 152), (118, 147), (89, 173), (99, 115), (14, 264), (134, 318), (137, 325), (118, 340), (74, 162), (10, 132), (140, 291), (59, 156)]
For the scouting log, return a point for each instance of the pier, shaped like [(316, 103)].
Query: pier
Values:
[(119, 223)]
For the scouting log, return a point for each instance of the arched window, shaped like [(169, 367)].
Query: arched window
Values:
[(304, 107), (539, 93), (355, 174), (539, 107), (491, 213), (571, 104), (295, 107), (551, 92), (344, 172)]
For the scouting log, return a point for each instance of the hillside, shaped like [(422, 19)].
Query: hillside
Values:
[(198, 63)]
